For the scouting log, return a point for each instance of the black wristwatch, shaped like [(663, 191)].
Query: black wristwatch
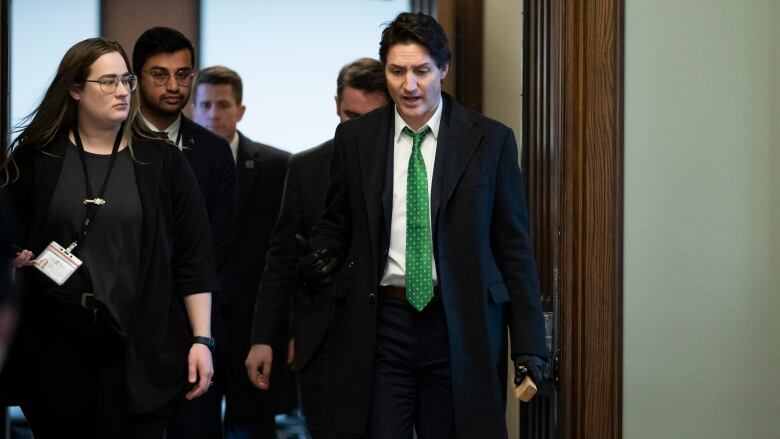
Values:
[(208, 341)]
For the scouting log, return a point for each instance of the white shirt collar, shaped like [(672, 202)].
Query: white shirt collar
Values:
[(433, 122), (172, 131), (234, 146)]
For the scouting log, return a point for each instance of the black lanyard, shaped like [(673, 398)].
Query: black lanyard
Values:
[(178, 138), (93, 204)]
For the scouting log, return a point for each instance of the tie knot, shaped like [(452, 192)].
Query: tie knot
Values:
[(417, 138)]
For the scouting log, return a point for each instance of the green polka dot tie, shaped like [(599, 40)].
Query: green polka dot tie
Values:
[(419, 271)]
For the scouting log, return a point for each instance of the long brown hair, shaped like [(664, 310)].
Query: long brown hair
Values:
[(57, 111)]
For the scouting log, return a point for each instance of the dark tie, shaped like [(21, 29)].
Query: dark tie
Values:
[(419, 269)]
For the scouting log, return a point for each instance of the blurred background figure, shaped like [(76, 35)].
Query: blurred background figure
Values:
[(360, 89), (260, 169)]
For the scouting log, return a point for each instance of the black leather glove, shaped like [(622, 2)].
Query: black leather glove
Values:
[(529, 365), (316, 268)]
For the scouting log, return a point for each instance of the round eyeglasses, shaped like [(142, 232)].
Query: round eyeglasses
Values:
[(109, 84), (161, 77)]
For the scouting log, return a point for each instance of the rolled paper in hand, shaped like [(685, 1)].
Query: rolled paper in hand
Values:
[(526, 390)]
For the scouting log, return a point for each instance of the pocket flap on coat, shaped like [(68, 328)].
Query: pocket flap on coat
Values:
[(499, 293)]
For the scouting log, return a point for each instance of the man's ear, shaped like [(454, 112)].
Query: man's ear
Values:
[(336, 98), (444, 71), (241, 110)]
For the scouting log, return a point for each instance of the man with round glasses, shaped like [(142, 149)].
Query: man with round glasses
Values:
[(164, 60)]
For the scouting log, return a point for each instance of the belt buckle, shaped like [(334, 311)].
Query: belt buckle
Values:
[(88, 301)]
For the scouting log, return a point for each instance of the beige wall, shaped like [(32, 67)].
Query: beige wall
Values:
[(775, 200), (701, 289), (502, 81), (502, 94)]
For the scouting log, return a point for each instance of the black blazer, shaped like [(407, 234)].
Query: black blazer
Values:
[(210, 158), (483, 256), (261, 171), (303, 204), (176, 260)]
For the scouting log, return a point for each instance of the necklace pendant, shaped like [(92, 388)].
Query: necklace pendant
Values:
[(95, 201)]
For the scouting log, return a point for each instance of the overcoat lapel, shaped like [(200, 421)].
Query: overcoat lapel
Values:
[(374, 166), (457, 143), (246, 171), (189, 143)]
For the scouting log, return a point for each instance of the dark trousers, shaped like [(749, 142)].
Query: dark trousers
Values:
[(200, 418), (74, 377), (312, 381), (412, 386)]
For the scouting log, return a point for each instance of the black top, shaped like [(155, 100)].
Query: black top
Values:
[(111, 251), (176, 259)]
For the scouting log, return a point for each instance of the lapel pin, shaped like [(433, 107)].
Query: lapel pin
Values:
[(249, 164)]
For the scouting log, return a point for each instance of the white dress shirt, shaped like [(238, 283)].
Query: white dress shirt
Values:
[(172, 131), (234, 146), (395, 267)]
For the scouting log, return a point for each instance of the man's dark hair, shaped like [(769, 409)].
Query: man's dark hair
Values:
[(417, 28), (365, 74), (216, 75), (159, 40)]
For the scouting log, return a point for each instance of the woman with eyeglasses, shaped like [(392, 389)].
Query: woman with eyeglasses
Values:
[(114, 251)]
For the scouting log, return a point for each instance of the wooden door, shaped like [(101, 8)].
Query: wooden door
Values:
[(573, 159)]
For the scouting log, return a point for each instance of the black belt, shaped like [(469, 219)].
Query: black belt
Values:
[(84, 300), (399, 293)]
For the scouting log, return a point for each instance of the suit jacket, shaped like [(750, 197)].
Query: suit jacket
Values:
[(176, 259), (484, 261), (303, 204), (260, 173), (210, 158)]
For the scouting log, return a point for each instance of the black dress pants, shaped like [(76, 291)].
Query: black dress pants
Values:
[(412, 387), (201, 418), (74, 377), (314, 400)]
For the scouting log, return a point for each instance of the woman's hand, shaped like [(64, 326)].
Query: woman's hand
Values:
[(24, 258), (201, 370)]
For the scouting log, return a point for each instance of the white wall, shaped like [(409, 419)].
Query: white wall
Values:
[(41, 32), (701, 290), (289, 54)]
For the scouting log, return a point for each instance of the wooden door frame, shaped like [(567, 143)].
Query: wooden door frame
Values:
[(592, 220), (573, 156)]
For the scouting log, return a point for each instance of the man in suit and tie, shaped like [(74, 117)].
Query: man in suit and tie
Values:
[(427, 224), (261, 170), (163, 60), (360, 88)]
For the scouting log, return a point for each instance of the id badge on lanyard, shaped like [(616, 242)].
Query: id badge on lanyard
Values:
[(59, 263)]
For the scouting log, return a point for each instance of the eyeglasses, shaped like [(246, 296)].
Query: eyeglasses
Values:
[(161, 77), (109, 84)]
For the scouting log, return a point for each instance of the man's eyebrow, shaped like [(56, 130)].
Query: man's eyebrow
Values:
[(418, 66), (166, 69)]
